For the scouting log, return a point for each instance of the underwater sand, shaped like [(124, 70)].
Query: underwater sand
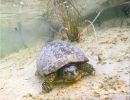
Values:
[(110, 56)]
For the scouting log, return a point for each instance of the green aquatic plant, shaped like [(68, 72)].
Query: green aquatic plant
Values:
[(73, 33), (65, 13)]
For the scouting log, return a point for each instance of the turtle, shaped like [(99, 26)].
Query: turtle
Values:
[(62, 62)]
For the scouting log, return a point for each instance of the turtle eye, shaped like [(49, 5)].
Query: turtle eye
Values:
[(76, 70), (65, 72)]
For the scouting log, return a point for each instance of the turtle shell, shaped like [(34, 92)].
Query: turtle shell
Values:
[(57, 54)]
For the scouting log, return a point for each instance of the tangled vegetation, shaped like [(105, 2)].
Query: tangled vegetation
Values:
[(64, 13)]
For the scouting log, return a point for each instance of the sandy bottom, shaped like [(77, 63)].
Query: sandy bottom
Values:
[(109, 55)]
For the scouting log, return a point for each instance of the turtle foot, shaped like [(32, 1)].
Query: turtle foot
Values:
[(46, 86)]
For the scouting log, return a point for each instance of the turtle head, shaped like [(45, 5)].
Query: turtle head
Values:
[(70, 73)]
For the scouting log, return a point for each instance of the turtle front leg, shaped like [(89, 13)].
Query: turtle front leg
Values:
[(47, 84), (88, 69)]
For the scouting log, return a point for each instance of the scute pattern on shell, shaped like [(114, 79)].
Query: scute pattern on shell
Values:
[(56, 54)]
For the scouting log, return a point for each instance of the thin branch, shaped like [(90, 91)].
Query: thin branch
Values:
[(96, 17), (95, 33)]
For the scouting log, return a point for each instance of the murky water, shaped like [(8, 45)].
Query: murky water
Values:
[(20, 27), (22, 22)]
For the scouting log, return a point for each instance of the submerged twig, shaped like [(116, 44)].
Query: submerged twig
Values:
[(95, 33), (91, 23), (96, 17)]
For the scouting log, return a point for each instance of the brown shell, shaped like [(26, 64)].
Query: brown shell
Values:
[(57, 54)]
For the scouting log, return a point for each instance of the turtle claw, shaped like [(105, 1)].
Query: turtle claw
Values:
[(46, 86), (91, 70), (94, 73)]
